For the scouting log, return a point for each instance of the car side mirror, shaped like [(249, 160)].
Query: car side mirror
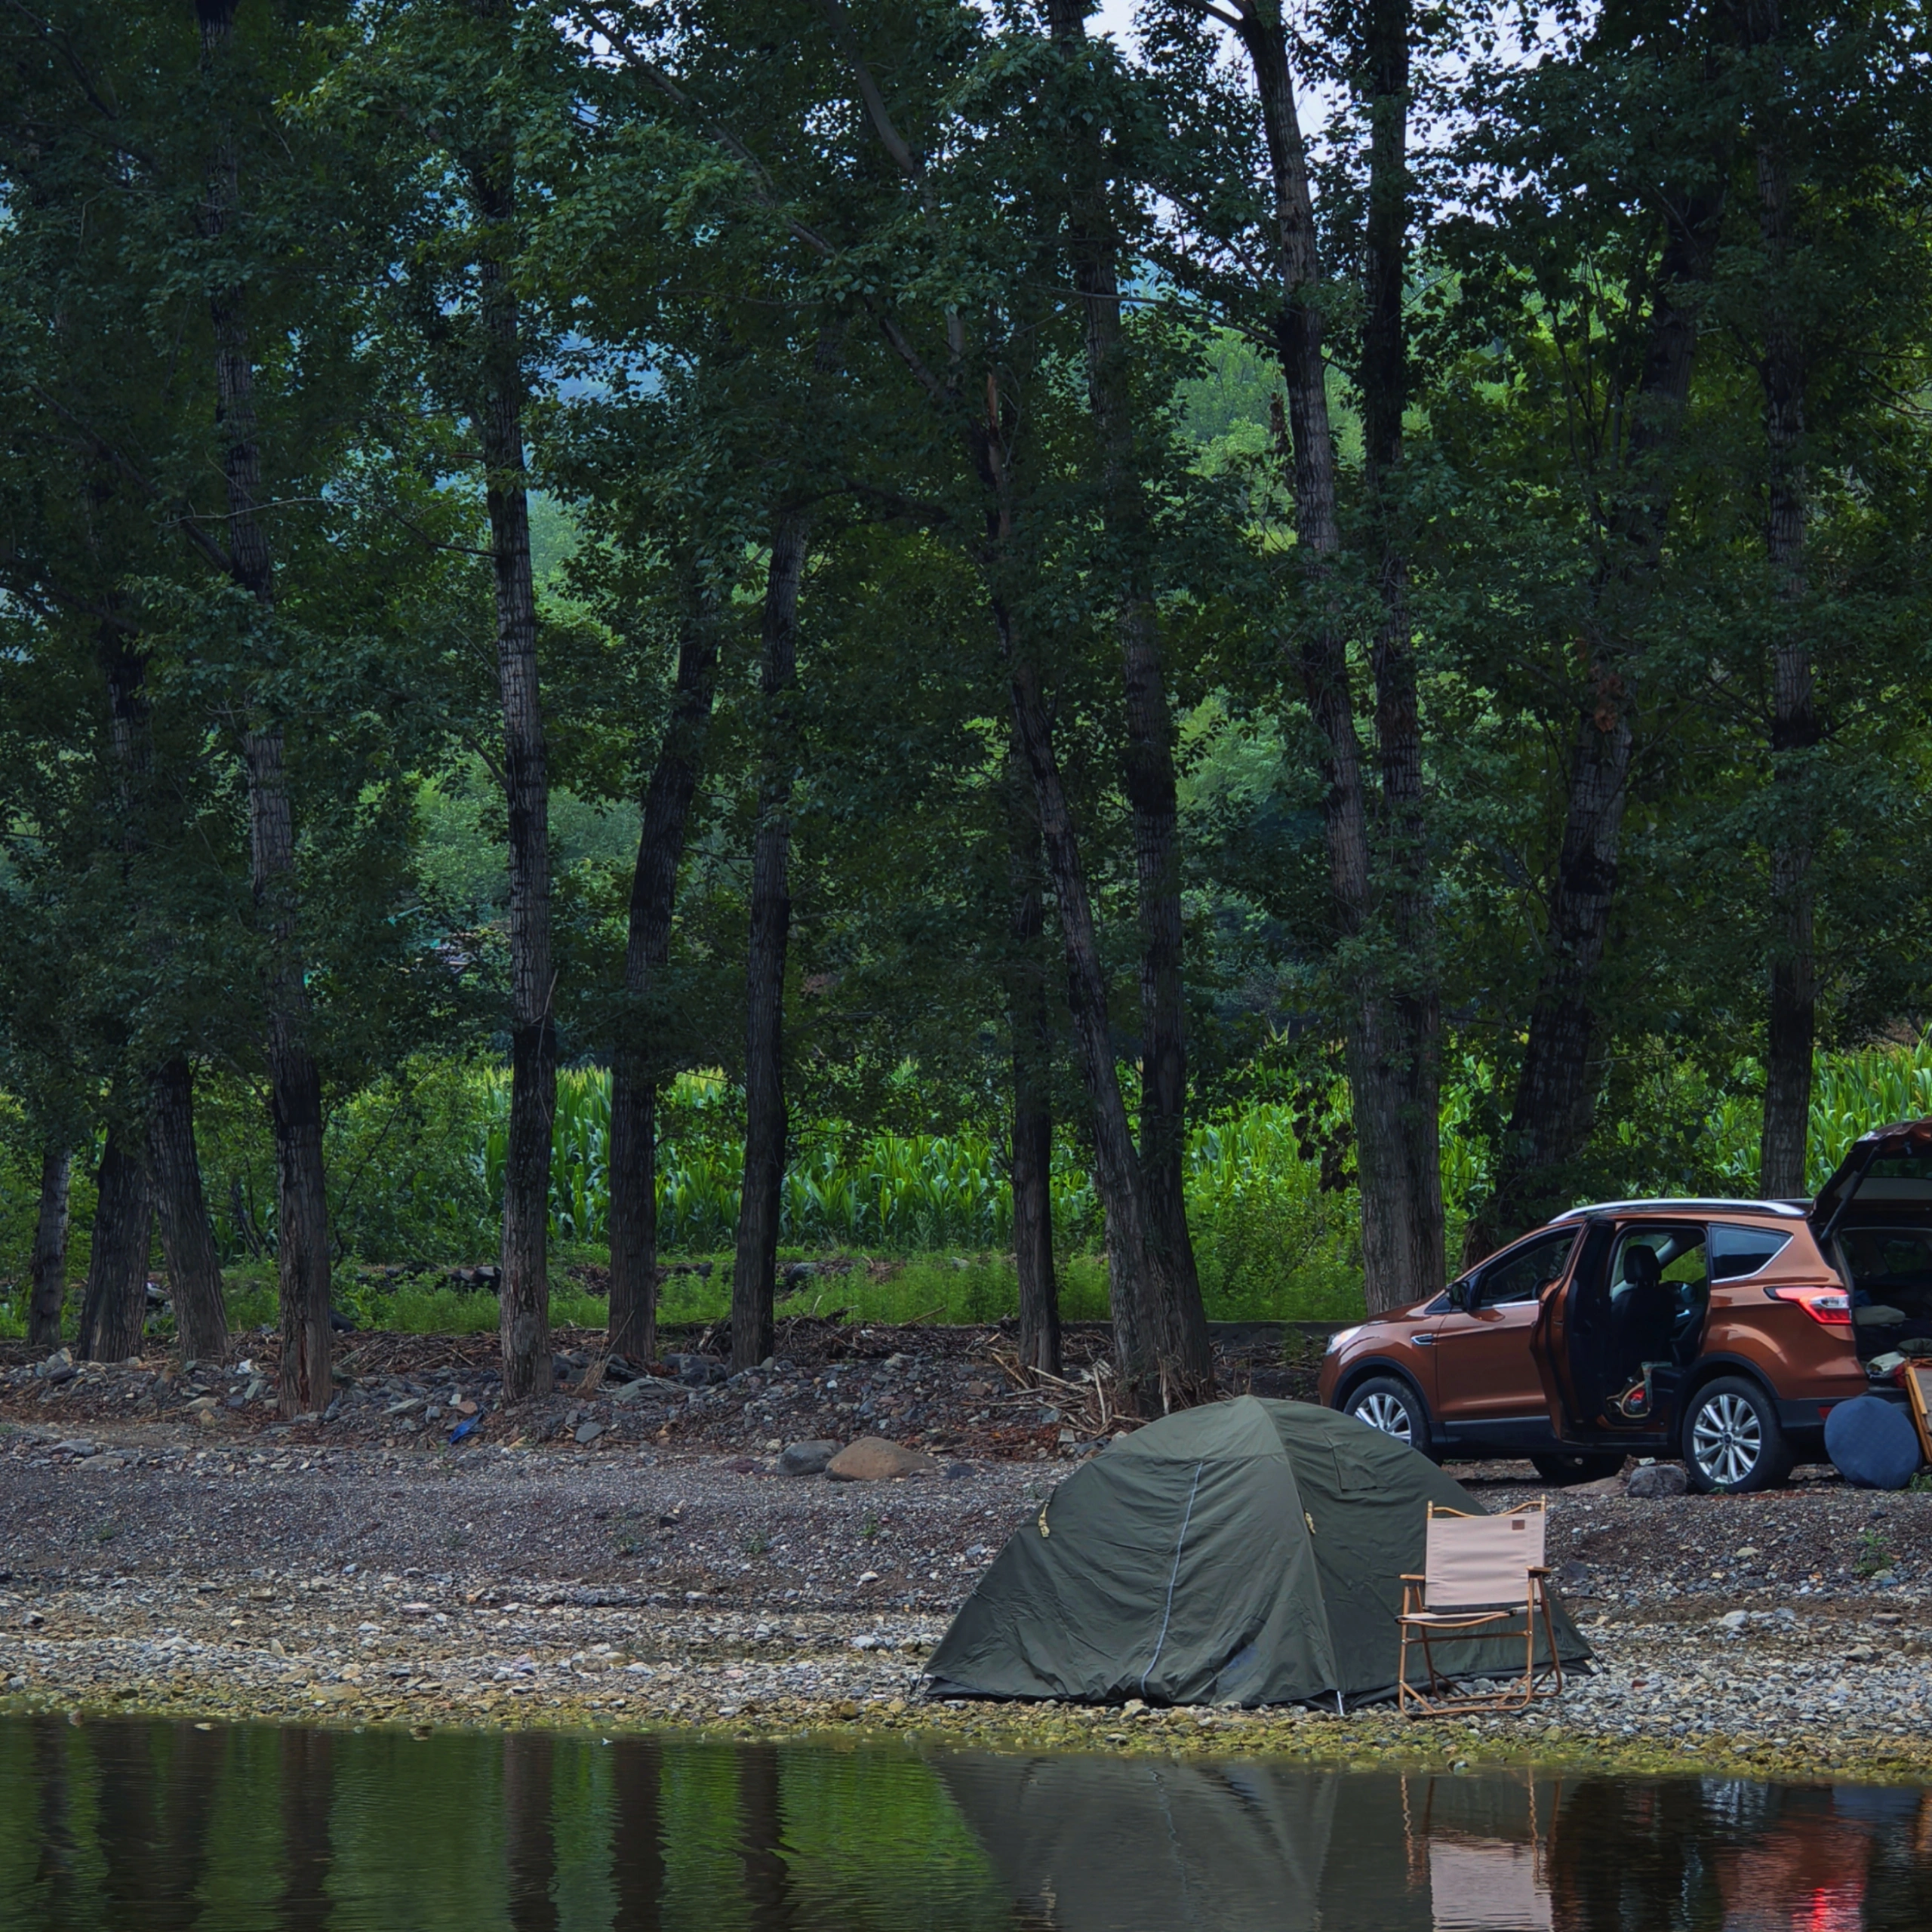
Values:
[(1459, 1294)]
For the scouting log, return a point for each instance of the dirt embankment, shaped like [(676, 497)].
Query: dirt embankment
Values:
[(158, 1556)]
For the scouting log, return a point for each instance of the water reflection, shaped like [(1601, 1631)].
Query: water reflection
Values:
[(136, 1828)]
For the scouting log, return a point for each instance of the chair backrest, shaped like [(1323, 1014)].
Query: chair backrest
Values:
[(1472, 1559)]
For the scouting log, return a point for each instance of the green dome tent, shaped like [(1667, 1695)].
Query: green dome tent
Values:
[(1245, 1553)]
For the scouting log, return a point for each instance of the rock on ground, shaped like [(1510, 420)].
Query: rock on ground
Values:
[(872, 1459)]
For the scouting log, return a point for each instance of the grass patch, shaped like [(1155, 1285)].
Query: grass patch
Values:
[(1242, 1279)]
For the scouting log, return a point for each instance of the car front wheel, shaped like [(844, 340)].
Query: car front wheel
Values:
[(1386, 1403), (1732, 1442)]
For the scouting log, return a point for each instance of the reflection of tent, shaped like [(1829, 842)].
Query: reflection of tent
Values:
[(1115, 1844), (1245, 1553), (1094, 1845)]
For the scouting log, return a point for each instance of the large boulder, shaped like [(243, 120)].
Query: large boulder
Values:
[(1656, 1479), (644, 1388), (873, 1459)]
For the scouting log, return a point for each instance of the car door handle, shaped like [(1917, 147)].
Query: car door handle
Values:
[(1423, 1341)]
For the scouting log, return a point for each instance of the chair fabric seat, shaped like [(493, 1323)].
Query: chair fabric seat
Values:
[(1473, 1567)]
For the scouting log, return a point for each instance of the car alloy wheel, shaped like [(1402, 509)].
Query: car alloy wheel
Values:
[(1726, 1439), (1381, 1410)]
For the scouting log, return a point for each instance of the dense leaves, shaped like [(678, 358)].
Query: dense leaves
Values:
[(990, 316)]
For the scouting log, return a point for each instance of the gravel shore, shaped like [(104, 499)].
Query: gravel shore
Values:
[(163, 1565)]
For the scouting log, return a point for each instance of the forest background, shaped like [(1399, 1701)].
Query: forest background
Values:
[(1188, 674)]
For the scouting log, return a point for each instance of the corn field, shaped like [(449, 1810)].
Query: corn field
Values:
[(904, 1193), (894, 1192)]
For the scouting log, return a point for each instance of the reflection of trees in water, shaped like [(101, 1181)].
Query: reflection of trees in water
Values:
[(637, 1847), (307, 1787), (113, 1827), (1626, 1855), (529, 1842), (762, 1835)]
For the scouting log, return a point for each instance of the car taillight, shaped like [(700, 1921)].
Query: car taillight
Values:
[(1832, 1306)]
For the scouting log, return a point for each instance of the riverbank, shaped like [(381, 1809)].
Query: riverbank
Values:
[(520, 1585)]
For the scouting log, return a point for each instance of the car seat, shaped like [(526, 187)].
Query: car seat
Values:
[(1644, 1317)]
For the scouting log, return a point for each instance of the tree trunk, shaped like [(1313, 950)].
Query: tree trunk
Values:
[(635, 1064), (757, 1257), (1782, 1153), (1161, 1346), (1149, 765), (525, 1289), (302, 1242), (1400, 1161), (1388, 1043), (49, 1249), (114, 1309), (187, 1236), (1030, 1026)]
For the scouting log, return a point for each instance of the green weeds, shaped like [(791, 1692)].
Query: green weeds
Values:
[(1875, 1554)]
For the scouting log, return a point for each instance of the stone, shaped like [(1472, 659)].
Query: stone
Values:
[(873, 1459), (1734, 1620), (644, 1388), (590, 1432), (806, 1459), (1572, 1579), (1656, 1479)]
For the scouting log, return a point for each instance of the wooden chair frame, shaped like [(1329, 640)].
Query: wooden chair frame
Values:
[(1470, 1622), (1918, 1379)]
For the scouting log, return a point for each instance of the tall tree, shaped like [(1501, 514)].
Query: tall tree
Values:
[(755, 1261), (524, 1292), (1160, 1340), (1406, 1197), (302, 1223), (1095, 244), (187, 1235), (1390, 1028), (50, 1249), (1030, 1031), (1783, 371), (636, 1065), (1682, 189), (114, 1306)]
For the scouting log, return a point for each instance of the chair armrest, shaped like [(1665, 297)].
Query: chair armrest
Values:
[(1411, 1580)]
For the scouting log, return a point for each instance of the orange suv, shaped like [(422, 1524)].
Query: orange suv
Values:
[(1723, 1331)]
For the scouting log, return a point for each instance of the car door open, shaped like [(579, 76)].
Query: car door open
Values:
[(1486, 1376)]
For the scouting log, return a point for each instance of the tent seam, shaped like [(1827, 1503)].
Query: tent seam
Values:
[(1173, 1577)]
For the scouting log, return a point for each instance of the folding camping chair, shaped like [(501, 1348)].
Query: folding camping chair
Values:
[(1918, 1380), (1480, 1572)]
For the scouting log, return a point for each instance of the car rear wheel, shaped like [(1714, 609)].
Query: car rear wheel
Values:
[(1732, 1442), (1565, 1469), (1388, 1403)]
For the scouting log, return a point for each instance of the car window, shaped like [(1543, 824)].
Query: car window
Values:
[(1680, 1259), (1521, 1274), (1736, 1252), (1888, 1261)]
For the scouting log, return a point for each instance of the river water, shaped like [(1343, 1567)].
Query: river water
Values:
[(135, 1827)]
